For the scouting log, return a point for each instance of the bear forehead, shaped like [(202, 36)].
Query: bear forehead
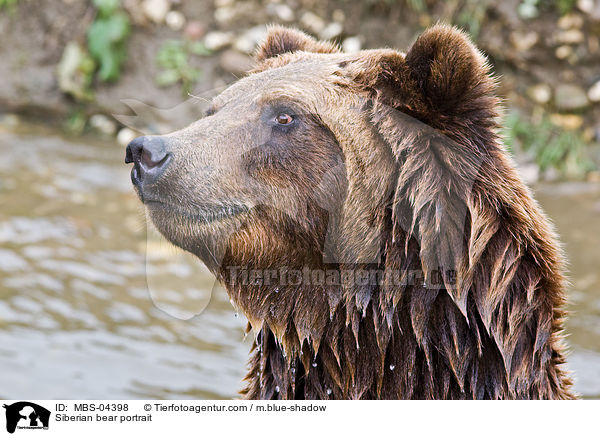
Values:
[(299, 76)]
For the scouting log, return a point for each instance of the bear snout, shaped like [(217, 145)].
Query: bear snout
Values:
[(150, 158)]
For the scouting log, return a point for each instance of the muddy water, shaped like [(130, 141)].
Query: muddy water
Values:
[(92, 308), (575, 210), (86, 311)]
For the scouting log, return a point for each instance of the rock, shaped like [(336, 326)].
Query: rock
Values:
[(567, 121), (524, 41), (593, 151), (235, 62), (594, 92), (594, 14), (218, 40), (338, 16), (563, 52), (135, 12), (594, 177), (572, 36), (569, 97), (225, 15), (175, 20), (9, 120), (156, 10), (570, 21), (352, 44), (540, 93), (247, 42), (102, 124), (588, 134), (332, 30), (551, 174), (528, 10), (586, 6), (281, 11), (530, 173), (312, 22), (195, 30), (125, 136)]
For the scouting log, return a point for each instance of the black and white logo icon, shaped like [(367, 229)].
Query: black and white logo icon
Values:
[(26, 415)]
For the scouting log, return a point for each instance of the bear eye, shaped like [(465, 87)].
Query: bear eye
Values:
[(284, 119)]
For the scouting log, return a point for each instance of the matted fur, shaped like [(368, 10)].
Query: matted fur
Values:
[(425, 186), (497, 333)]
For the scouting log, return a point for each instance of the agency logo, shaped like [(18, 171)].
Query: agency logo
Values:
[(26, 415)]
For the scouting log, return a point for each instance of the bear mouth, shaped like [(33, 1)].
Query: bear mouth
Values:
[(205, 213)]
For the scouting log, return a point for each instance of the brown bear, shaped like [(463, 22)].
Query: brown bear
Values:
[(363, 214)]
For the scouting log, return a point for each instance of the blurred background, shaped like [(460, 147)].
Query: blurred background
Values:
[(94, 306)]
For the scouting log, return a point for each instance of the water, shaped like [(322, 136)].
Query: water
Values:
[(76, 315), (575, 210), (91, 308)]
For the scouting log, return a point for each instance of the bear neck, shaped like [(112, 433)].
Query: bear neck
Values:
[(407, 341), (494, 333), (340, 341)]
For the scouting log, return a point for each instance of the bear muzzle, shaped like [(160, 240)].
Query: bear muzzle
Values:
[(150, 159)]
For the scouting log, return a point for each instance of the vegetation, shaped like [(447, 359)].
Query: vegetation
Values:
[(471, 16), (75, 72), (564, 6), (549, 145), (107, 38), (75, 122), (174, 58), (8, 4)]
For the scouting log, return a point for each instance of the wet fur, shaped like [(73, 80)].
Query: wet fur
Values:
[(428, 175), (497, 334)]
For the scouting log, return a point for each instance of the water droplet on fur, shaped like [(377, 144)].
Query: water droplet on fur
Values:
[(314, 364), (392, 367), (276, 290), (329, 391), (276, 388)]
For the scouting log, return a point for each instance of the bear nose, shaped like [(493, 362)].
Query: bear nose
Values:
[(149, 157)]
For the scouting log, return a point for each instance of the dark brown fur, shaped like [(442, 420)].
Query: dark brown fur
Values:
[(429, 178)]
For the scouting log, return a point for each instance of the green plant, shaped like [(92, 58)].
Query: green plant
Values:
[(530, 8), (75, 72), (417, 5), (107, 38), (174, 59), (75, 122), (550, 145), (471, 16), (564, 6), (8, 4)]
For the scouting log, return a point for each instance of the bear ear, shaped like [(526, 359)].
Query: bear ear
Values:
[(443, 80), (282, 40), (451, 75)]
